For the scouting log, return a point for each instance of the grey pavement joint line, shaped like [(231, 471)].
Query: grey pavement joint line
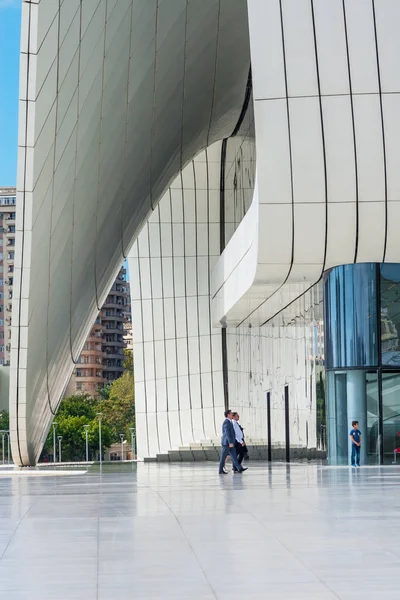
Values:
[(188, 543), (14, 533)]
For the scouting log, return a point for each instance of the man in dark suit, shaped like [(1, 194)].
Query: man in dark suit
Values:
[(228, 445)]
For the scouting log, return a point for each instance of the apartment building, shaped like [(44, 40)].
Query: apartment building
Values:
[(115, 313), (7, 248), (102, 357)]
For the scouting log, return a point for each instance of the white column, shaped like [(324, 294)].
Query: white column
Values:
[(357, 408)]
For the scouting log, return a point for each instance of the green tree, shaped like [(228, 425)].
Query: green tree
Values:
[(4, 420), (79, 406), (128, 360), (93, 437), (75, 412), (119, 409), (4, 426), (104, 392)]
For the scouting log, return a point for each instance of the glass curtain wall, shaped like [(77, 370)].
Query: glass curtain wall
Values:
[(391, 417), (362, 360)]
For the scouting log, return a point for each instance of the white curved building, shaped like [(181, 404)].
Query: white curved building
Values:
[(252, 147)]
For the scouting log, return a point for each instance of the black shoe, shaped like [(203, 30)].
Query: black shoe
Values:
[(222, 472), (243, 469)]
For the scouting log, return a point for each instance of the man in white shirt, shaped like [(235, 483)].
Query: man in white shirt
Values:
[(239, 440)]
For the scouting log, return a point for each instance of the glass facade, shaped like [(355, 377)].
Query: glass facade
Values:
[(362, 360), (390, 416), (390, 314), (350, 317)]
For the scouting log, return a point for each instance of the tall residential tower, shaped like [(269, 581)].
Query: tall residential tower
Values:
[(7, 263)]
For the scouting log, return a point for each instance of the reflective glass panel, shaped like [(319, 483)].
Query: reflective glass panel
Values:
[(352, 396), (350, 301), (390, 314), (372, 440), (391, 417)]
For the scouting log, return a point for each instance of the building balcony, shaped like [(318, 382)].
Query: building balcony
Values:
[(92, 364), (113, 331), (112, 368), (115, 344), (91, 379), (113, 355), (94, 351), (94, 338), (117, 297), (110, 318)]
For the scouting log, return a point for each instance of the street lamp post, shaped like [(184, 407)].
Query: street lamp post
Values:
[(100, 415), (86, 428), (3, 434), (132, 430), (8, 447), (54, 441), (59, 448), (121, 435)]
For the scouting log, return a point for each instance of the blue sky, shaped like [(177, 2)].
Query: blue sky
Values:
[(10, 23)]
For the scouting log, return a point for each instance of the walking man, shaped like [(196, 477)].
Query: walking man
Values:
[(239, 439), (228, 445)]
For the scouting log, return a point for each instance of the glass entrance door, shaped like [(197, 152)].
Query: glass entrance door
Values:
[(391, 417), (353, 395)]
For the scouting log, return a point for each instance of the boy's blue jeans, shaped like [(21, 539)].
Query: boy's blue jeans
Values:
[(355, 455)]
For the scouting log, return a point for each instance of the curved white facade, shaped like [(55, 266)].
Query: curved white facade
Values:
[(179, 392), (117, 98), (326, 103)]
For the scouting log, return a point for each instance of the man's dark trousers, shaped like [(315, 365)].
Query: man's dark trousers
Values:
[(239, 452), (224, 453)]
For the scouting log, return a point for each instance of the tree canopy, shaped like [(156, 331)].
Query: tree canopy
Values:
[(115, 402), (128, 360), (119, 408), (75, 412), (4, 420)]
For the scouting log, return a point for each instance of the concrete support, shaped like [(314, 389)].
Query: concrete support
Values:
[(357, 408)]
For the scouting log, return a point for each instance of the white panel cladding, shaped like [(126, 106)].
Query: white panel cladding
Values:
[(182, 363), (299, 48), (116, 98), (112, 109), (330, 142), (289, 350)]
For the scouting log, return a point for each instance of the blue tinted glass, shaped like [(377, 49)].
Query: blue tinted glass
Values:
[(390, 314), (350, 316)]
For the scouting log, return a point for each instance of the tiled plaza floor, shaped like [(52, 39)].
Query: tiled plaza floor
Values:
[(182, 532)]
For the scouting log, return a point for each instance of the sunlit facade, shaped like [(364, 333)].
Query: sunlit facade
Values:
[(239, 153)]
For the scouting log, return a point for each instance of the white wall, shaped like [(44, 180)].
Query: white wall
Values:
[(287, 351), (177, 354), (116, 97)]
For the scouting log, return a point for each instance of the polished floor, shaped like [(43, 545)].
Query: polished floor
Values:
[(182, 532)]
